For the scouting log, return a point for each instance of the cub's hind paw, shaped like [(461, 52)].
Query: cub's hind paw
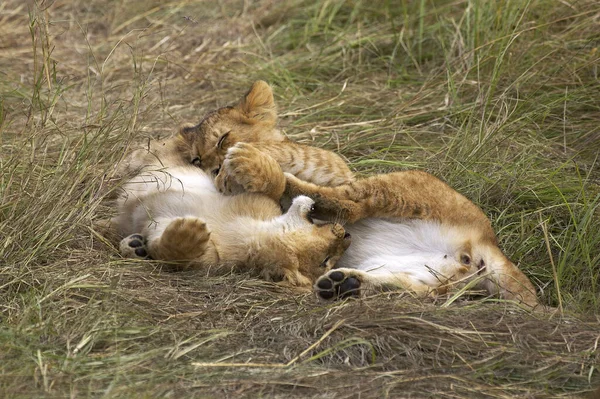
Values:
[(183, 239), (134, 246), (337, 284)]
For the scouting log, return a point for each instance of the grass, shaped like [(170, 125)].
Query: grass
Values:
[(497, 98)]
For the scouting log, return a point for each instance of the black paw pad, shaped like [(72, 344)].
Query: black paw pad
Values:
[(336, 285), (135, 243), (141, 252), (325, 284), (336, 276), (134, 247), (327, 295), (349, 287)]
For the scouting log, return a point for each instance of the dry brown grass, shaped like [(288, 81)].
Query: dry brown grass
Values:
[(81, 81)]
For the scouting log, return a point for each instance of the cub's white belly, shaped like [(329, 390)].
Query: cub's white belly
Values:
[(423, 249), (156, 196)]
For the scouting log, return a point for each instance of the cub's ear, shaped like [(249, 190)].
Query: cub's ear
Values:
[(188, 132), (258, 104)]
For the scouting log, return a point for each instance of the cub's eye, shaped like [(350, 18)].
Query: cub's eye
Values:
[(197, 162), (310, 214), (215, 172), (324, 263), (465, 259), (222, 140)]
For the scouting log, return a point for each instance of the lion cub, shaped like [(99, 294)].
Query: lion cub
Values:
[(409, 228), (412, 230), (170, 210), (253, 120)]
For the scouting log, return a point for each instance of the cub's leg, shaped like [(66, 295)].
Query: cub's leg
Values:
[(183, 239), (345, 282), (405, 195), (247, 169), (311, 164)]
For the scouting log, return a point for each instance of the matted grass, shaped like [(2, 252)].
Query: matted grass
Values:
[(500, 99)]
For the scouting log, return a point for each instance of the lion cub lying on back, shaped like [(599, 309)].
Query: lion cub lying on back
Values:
[(409, 228), (170, 210)]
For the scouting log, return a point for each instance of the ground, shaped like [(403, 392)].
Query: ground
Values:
[(499, 99)]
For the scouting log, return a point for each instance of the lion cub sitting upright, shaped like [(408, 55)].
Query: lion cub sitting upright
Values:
[(170, 210)]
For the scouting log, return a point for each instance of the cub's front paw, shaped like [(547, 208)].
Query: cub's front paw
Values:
[(248, 168), (184, 239), (338, 284), (134, 246)]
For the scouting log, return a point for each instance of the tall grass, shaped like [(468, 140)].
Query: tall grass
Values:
[(497, 98)]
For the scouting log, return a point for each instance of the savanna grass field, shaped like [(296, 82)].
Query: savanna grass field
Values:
[(501, 99)]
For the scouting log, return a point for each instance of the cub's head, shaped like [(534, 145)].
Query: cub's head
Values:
[(252, 119), (501, 276), (299, 250), (481, 259)]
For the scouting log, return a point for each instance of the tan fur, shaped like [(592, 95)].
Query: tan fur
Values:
[(410, 195), (419, 195), (174, 206), (253, 120), (249, 170)]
